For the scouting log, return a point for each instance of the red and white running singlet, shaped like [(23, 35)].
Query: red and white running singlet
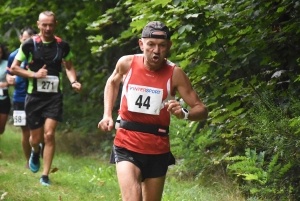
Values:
[(143, 97)]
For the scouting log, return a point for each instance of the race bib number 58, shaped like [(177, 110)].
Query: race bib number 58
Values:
[(144, 99), (48, 84), (19, 118)]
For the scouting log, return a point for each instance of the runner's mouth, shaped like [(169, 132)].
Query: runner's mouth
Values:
[(155, 58)]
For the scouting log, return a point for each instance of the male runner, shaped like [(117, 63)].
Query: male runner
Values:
[(43, 105)]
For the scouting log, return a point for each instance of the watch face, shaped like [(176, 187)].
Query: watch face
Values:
[(185, 110)]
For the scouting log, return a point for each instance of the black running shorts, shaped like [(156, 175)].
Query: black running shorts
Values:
[(39, 108), (5, 105), (151, 165), (18, 105)]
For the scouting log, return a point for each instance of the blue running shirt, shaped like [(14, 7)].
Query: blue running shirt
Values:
[(21, 83)]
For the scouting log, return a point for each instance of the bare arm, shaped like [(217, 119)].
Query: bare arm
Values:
[(182, 84), (17, 70), (111, 91), (71, 73)]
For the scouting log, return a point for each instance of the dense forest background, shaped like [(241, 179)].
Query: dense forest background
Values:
[(241, 56)]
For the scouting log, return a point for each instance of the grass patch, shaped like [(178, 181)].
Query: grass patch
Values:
[(86, 179)]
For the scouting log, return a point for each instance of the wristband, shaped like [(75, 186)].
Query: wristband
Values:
[(73, 82), (34, 75), (185, 112)]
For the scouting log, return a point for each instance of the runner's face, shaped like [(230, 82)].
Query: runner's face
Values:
[(24, 36), (155, 51), (46, 25)]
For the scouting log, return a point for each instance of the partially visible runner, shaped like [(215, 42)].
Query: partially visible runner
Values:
[(44, 101), (141, 149), (4, 97), (19, 94)]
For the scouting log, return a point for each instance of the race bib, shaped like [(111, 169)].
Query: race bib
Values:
[(1, 90), (48, 84), (19, 118), (144, 99)]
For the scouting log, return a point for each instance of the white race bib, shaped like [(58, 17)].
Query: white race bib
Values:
[(144, 99), (19, 118), (1, 90), (48, 84)]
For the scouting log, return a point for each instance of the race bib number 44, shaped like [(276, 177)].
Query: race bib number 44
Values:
[(48, 84), (144, 99), (19, 118)]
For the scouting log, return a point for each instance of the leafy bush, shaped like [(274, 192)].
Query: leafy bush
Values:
[(271, 158)]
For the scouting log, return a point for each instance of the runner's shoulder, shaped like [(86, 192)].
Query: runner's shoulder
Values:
[(12, 55), (27, 45)]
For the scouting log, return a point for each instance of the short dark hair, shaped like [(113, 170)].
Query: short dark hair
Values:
[(31, 31), (156, 26)]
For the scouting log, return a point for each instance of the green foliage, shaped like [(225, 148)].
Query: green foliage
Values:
[(186, 143), (253, 168), (266, 130)]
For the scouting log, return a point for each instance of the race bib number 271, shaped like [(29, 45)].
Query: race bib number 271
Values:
[(48, 84), (144, 99)]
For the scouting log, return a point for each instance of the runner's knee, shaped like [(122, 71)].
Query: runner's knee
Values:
[(49, 137), (35, 140)]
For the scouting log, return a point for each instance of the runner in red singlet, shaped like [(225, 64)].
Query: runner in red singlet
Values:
[(141, 149)]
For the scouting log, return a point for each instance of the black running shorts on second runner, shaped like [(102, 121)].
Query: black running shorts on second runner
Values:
[(38, 108), (151, 165), (18, 105), (5, 105)]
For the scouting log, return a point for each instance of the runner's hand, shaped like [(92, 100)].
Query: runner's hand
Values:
[(106, 124), (76, 86), (174, 108), (42, 72), (11, 79)]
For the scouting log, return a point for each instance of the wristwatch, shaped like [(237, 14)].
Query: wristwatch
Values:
[(185, 112)]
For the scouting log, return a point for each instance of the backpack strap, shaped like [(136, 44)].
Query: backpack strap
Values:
[(36, 39), (58, 39)]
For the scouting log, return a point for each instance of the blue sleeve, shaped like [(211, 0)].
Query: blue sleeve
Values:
[(10, 61)]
